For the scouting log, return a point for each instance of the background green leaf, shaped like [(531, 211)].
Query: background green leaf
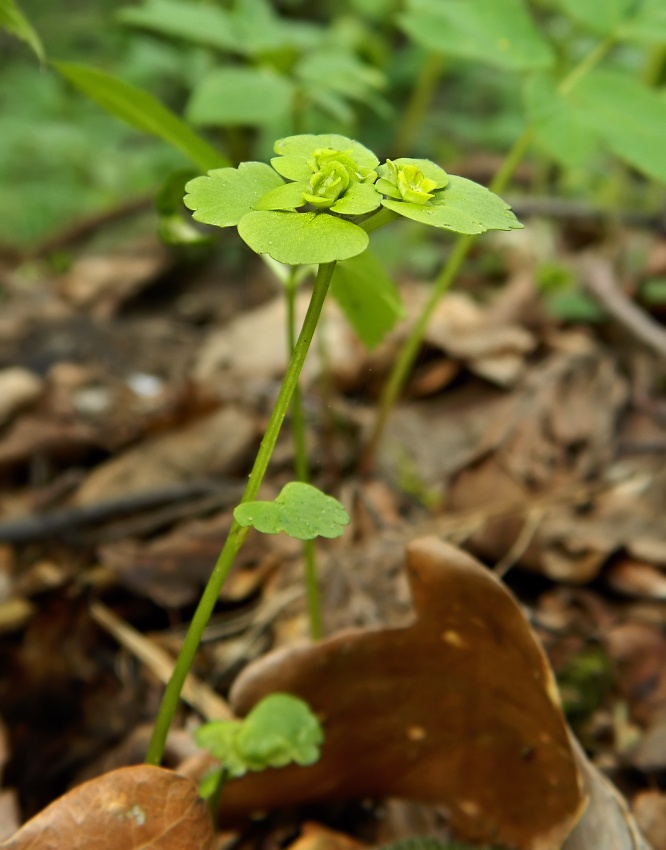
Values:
[(227, 194), (232, 96), (206, 24), (301, 511), (628, 116), (648, 25), (601, 16), (559, 128), (499, 32), (15, 22), (141, 110), (302, 238), (367, 296)]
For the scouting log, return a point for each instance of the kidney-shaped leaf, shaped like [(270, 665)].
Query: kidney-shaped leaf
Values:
[(458, 709), (301, 510), (225, 195), (302, 238), (463, 206), (134, 808)]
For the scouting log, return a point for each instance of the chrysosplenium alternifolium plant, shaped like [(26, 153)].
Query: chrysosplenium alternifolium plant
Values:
[(314, 202), (314, 205)]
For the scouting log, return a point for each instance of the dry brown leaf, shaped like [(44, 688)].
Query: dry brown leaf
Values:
[(607, 823), (215, 444), (460, 709), (636, 578), (134, 808), (173, 568), (99, 283), (314, 836), (18, 388), (251, 349), (650, 812)]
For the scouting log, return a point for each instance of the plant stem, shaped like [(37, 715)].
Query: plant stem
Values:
[(585, 65), (237, 534), (410, 349), (302, 471), (407, 355), (419, 101)]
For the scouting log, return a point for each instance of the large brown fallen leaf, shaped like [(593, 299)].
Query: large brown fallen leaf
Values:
[(134, 808), (459, 709)]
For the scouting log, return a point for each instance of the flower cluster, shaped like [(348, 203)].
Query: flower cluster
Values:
[(310, 204)]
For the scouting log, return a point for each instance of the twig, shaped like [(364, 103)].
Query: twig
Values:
[(559, 208), (599, 280), (83, 228), (41, 526), (527, 532), (196, 693)]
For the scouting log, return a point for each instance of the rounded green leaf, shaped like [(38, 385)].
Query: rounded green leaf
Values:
[(301, 511), (462, 206), (227, 194), (279, 730), (305, 145), (302, 238), (360, 198)]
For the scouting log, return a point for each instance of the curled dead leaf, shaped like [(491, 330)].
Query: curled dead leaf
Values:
[(134, 808), (459, 709)]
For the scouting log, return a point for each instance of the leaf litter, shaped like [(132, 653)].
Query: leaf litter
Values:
[(535, 445)]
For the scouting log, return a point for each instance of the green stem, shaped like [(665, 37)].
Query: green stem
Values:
[(462, 245), (237, 534), (419, 102), (302, 471), (409, 351), (586, 65), (654, 66)]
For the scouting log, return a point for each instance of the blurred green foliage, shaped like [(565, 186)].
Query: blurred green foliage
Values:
[(61, 157), (431, 78)]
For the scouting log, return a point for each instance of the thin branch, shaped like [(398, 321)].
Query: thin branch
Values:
[(600, 281)]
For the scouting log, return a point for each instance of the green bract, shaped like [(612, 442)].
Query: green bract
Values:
[(408, 180), (296, 209)]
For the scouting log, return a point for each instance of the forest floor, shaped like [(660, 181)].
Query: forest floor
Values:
[(135, 383)]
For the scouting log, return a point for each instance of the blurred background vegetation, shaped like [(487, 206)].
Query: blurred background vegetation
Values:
[(62, 157), (378, 70)]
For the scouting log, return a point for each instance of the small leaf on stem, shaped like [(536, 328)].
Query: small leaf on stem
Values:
[(301, 511)]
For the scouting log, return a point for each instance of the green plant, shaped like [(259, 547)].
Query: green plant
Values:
[(344, 194), (276, 73), (279, 730), (574, 112)]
